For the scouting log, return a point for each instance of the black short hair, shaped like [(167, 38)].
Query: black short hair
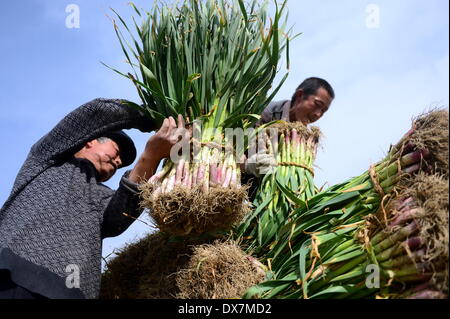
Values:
[(310, 87)]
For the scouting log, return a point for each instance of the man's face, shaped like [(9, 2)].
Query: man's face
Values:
[(105, 156), (310, 109)]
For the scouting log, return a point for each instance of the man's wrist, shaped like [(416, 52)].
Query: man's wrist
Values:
[(131, 186), (145, 168)]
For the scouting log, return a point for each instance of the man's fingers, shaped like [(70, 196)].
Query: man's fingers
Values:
[(172, 123), (185, 133), (165, 126), (266, 159), (262, 143), (180, 121), (178, 133)]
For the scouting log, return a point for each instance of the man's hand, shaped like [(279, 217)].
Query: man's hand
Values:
[(158, 147), (160, 144)]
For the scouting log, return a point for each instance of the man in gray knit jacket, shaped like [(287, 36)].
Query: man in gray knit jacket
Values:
[(53, 223)]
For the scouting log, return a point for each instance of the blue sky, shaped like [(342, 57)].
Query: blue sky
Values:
[(383, 77)]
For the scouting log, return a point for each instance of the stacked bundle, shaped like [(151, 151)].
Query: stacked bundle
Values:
[(419, 216), (160, 267), (145, 269), (217, 271), (403, 252), (319, 255), (213, 62), (294, 147)]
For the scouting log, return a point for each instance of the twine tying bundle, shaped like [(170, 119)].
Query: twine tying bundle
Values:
[(309, 169), (376, 184), (215, 145)]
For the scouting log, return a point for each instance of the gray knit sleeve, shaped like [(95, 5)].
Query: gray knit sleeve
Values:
[(272, 112), (87, 122), (266, 115), (122, 208)]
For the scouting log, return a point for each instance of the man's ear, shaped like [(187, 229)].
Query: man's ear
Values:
[(90, 143), (299, 95)]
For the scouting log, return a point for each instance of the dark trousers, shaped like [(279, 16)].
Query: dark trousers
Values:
[(10, 290)]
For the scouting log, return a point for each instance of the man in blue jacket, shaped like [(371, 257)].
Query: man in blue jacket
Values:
[(53, 223)]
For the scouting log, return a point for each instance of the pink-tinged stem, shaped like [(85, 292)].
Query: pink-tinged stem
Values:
[(238, 173), (233, 177), (155, 178), (223, 173), (158, 176), (409, 147), (406, 203), (302, 142), (164, 185), (171, 183), (403, 259), (186, 174), (413, 157), (405, 216), (194, 174), (205, 187), (414, 243), (309, 142), (157, 191), (428, 294), (299, 139), (295, 145), (205, 183), (412, 169), (227, 180), (421, 287), (189, 181), (219, 173), (294, 135), (405, 137), (396, 237), (179, 172), (201, 173), (213, 174)]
